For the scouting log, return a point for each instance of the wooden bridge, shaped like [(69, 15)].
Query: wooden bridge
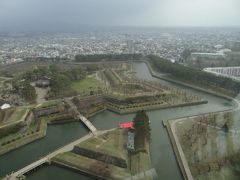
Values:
[(79, 116), (18, 174), (87, 123)]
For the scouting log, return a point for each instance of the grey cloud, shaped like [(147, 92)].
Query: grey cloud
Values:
[(62, 13)]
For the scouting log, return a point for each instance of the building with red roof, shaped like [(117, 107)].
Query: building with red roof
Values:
[(126, 125)]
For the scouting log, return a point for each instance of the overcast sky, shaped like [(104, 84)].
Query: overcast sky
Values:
[(61, 13)]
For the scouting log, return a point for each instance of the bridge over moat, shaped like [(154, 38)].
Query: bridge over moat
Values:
[(47, 159), (18, 174), (79, 116)]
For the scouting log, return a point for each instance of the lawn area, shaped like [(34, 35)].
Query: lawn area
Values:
[(86, 85), (49, 104), (19, 113), (16, 115), (91, 166), (111, 143), (5, 114), (140, 162)]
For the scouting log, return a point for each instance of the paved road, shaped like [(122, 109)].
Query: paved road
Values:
[(180, 151)]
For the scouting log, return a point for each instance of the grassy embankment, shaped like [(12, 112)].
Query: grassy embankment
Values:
[(13, 141), (86, 88), (12, 120), (60, 117), (21, 127), (13, 134), (112, 144), (48, 104), (12, 115), (90, 166), (90, 84), (5, 114), (139, 160)]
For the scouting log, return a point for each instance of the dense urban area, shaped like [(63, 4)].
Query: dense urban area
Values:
[(175, 45)]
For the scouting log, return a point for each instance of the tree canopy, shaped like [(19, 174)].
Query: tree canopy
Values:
[(142, 125), (107, 57), (195, 76), (25, 90)]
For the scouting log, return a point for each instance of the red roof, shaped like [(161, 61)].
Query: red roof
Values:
[(127, 125)]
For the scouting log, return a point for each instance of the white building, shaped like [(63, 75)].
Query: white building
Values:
[(4, 105), (216, 55), (231, 72)]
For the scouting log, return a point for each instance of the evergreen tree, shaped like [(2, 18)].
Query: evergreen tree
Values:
[(142, 125)]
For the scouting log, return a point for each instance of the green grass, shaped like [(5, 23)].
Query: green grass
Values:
[(32, 127), (89, 165), (59, 117), (49, 104), (18, 114), (140, 162), (18, 139), (86, 85), (111, 143), (5, 114)]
